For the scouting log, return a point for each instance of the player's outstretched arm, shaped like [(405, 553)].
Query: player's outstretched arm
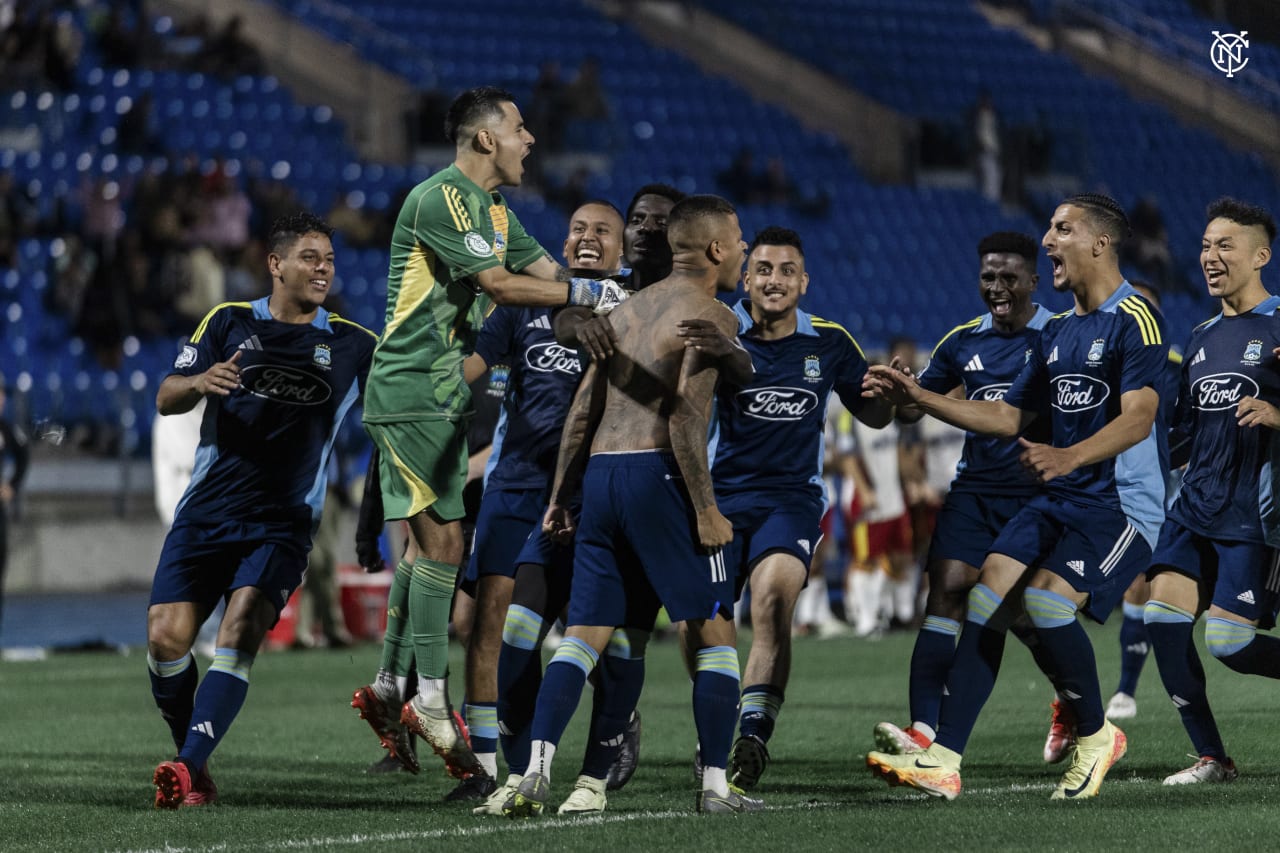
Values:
[(179, 394), (575, 448), (981, 416), (1133, 424), (695, 390), (530, 290)]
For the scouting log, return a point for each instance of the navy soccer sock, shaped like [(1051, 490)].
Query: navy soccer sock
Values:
[(218, 701), (617, 694), (761, 704), (1169, 629), (562, 689), (931, 660), (519, 678), (715, 703), (973, 674), (1240, 647), (1134, 648), (173, 684), (1068, 646)]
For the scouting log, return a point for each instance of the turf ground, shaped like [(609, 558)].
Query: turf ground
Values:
[(79, 737)]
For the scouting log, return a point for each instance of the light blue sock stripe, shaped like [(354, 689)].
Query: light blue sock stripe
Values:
[(762, 703), (982, 604), (577, 653), (1132, 611), (1224, 637), (521, 628), (482, 720), (169, 668), (721, 659), (1158, 611), (1048, 609), (941, 625), (619, 645), (232, 662)]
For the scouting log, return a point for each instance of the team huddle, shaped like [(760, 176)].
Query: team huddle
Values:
[(605, 501)]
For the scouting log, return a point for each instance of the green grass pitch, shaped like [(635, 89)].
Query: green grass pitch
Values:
[(79, 737)]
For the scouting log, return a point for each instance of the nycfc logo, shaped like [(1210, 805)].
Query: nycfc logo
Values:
[(1079, 393), (1227, 52), (778, 404), (284, 385), (991, 393), (551, 357), (1221, 391)]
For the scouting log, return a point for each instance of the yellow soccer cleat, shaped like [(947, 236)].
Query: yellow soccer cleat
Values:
[(1094, 756), (935, 770)]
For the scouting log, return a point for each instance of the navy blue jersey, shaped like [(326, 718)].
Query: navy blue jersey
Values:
[(264, 449), (985, 361), (540, 386), (770, 431), (1079, 368), (1228, 473)]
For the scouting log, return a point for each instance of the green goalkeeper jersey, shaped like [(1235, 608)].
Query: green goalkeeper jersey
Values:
[(448, 230)]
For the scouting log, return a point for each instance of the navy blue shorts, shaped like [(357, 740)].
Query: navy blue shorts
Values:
[(1097, 551), (768, 522), (1245, 576), (507, 518), (636, 547), (201, 563), (967, 525)]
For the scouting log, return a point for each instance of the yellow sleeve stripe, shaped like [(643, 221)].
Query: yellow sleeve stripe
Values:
[(820, 323), (334, 318), (204, 324), (1147, 324), (1175, 356), (969, 325), (458, 210)]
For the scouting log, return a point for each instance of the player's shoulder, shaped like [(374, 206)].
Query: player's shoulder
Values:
[(223, 312), (1143, 317), (960, 331), (343, 326), (830, 330)]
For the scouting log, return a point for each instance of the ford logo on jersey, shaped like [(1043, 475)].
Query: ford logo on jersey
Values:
[(284, 384), (1075, 392), (1221, 391), (778, 403), (551, 357), (991, 393)]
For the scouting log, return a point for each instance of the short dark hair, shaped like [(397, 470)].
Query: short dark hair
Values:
[(602, 203), (1242, 213), (1105, 213), (776, 235), (664, 190), (1008, 243), (470, 109), (695, 207), (286, 230)]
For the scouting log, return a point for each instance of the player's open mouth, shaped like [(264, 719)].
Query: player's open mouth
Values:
[(319, 284), (1056, 263), (1214, 276), (1000, 307), (586, 255)]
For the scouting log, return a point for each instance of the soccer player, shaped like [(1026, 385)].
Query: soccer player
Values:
[(542, 378), (456, 250), (1078, 544), (279, 375), (650, 534), (768, 467), (13, 446), (982, 357), (1213, 551)]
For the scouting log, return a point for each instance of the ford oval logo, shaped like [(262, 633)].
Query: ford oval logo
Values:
[(1075, 392), (991, 393), (284, 384), (1221, 391), (551, 357), (778, 403)]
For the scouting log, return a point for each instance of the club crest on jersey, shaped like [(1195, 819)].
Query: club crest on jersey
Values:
[(186, 358), (812, 368), (499, 375), (499, 244), (1095, 351), (322, 356), (1253, 352), (477, 245)]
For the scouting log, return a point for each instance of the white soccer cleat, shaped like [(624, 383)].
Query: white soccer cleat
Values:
[(1122, 707), (587, 798), (494, 802), (1205, 769)]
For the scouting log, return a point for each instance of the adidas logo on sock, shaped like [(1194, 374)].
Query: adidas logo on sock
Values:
[(205, 728), (1179, 702), (1138, 648), (974, 363), (1246, 597)]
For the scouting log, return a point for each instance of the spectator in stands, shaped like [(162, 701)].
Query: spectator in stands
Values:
[(584, 96), (62, 44), (1147, 248), (426, 126), (13, 448), (18, 218), (136, 132), (547, 107), (353, 221), (775, 186), (738, 182), (223, 215), (120, 43)]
